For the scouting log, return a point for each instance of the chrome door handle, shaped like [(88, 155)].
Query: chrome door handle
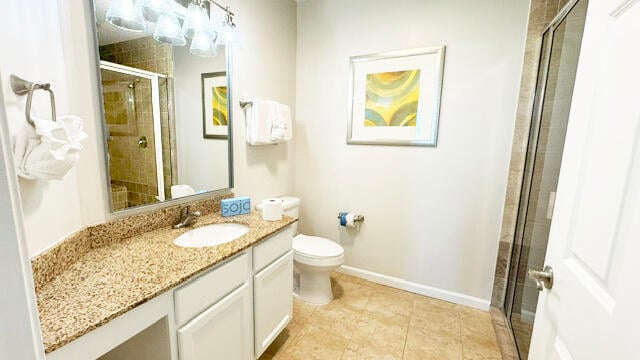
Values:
[(543, 279)]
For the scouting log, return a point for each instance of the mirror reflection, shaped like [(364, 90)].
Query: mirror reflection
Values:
[(165, 86)]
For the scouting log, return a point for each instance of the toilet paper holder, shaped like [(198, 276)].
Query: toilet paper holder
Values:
[(357, 218)]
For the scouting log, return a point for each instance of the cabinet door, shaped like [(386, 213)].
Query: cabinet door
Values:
[(273, 301), (223, 331)]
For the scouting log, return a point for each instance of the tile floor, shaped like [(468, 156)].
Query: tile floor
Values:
[(371, 321)]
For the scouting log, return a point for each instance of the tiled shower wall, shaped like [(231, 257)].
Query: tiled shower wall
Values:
[(128, 120), (147, 54), (541, 14)]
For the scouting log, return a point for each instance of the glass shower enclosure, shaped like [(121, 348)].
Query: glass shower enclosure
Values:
[(554, 89), (135, 103)]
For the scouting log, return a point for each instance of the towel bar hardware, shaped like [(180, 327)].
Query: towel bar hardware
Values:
[(24, 87), (357, 218), (245, 103)]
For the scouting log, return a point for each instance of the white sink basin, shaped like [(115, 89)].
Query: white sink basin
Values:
[(211, 235)]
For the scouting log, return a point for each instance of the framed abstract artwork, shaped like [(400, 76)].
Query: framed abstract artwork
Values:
[(215, 105), (394, 97)]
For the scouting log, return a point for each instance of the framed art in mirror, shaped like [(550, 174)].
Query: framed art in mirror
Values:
[(215, 105)]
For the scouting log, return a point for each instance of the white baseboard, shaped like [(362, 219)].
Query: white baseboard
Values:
[(401, 284)]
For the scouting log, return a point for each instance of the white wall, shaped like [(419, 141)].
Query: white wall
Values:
[(57, 47), (52, 209), (195, 168), (264, 54), (432, 214), (20, 336)]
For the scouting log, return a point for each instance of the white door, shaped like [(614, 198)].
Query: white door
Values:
[(592, 309), (222, 332), (273, 301)]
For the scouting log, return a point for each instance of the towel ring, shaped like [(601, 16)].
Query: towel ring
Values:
[(24, 87)]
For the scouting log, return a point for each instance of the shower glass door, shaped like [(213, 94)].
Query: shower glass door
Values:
[(134, 130), (556, 77)]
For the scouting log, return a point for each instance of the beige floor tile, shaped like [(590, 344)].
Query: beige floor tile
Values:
[(424, 344), (336, 318), (479, 339), (371, 321), (473, 351), (316, 344), (286, 338), (441, 322), (377, 337), (352, 294), (478, 330), (391, 305), (302, 310)]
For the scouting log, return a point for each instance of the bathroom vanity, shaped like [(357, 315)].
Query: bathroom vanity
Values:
[(124, 290), (143, 297)]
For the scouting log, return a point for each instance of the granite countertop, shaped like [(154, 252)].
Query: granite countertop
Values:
[(110, 280)]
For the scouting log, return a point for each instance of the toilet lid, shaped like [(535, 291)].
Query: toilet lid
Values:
[(318, 247)]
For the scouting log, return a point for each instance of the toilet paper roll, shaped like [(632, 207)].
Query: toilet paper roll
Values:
[(348, 219), (351, 220), (178, 191), (272, 209)]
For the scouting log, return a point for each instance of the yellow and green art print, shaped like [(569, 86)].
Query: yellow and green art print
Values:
[(392, 98), (219, 105)]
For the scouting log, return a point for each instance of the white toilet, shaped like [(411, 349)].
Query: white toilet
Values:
[(313, 258)]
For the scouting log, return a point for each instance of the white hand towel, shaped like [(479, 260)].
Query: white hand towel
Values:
[(281, 129), (268, 122), (258, 117), (53, 151)]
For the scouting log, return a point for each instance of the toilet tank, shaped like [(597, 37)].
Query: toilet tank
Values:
[(290, 206)]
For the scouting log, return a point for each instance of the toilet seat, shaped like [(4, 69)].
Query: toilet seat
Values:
[(317, 251), (316, 247)]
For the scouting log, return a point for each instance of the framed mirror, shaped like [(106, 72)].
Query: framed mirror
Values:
[(165, 80)]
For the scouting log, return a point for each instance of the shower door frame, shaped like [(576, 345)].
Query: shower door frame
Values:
[(530, 156), (155, 105)]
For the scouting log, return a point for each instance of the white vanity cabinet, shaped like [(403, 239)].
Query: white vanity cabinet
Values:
[(233, 311), (272, 288), (237, 309), (214, 313), (273, 301), (223, 331)]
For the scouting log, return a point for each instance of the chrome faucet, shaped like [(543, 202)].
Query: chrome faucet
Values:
[(187, 217)]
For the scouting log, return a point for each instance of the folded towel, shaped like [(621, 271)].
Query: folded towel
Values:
[(49, 151), (268, 122), (281, 129)]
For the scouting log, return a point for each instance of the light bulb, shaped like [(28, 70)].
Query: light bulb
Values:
[(203, 45), (168, 29), (195, 21), (125, 15)]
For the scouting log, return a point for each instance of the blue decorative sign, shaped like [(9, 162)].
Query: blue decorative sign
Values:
[(236, 206)]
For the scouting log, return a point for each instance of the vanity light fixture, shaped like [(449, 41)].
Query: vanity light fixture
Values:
[(206, 31), (196, 20), (124, 14), (168, 29), (151, 9), (203, 44)]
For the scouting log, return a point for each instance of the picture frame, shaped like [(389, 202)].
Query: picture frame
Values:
[(215, 105), (394, 97)]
